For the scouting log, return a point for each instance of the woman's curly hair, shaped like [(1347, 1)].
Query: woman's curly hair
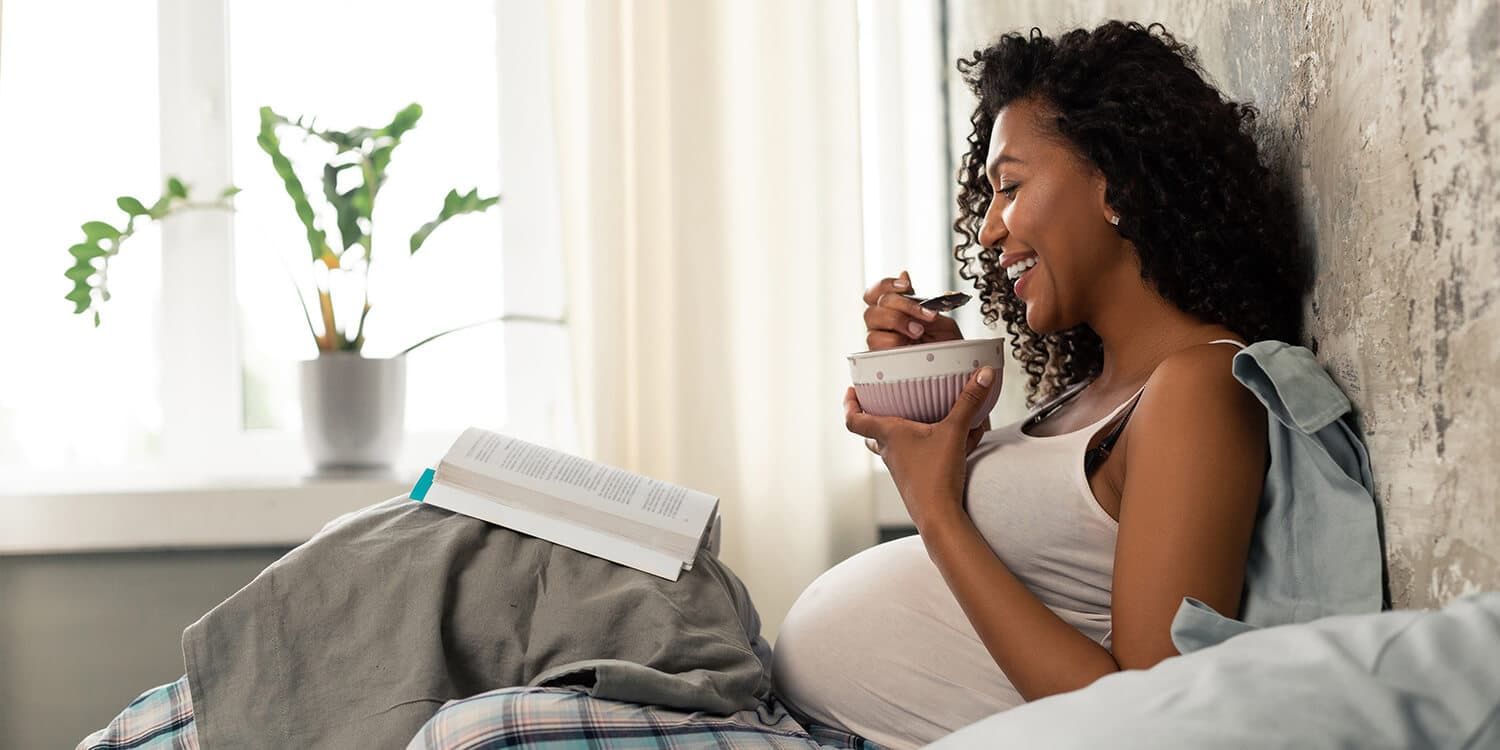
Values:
[(1215, 234)]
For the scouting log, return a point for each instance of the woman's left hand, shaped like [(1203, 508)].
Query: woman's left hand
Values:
[(927, 461)]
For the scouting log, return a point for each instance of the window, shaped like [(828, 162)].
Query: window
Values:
[(192, 373), (75, 135), (441, 55), (906, 174)]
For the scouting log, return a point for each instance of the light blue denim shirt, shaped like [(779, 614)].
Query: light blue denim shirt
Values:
[(1316, 550)]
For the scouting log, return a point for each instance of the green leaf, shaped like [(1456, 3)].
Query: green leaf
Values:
[(160, 208), (81, 272), (342, 141), (404, 120), (85, 252), (380, 158), (98, 230), (454, 204), (343, 204), (230, 192), (390, 138), (317, 240), (101, 240), (359, 198), (131, 206), (80, 296)]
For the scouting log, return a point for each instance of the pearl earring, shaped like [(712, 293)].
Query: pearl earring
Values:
[(1115, 220)]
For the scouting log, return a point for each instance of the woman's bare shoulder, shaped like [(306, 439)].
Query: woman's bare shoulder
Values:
[(1197, 383), (1195, 411)]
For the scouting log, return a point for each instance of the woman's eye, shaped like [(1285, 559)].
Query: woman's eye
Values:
[(1009, 191)]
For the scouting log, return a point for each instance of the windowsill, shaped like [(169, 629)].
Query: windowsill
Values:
[(220, 513), (229, 513)]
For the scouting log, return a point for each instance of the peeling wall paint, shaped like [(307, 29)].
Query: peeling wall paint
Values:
[(1383, 116)]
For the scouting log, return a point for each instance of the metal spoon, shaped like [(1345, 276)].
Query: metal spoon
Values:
[(942, 302)]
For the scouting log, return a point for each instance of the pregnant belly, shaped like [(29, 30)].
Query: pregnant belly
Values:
[(879, 646)]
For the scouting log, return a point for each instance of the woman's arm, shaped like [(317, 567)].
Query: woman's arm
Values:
[(1193, 480), (1194, 468)]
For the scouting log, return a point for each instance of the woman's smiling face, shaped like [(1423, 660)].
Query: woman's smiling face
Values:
[(1048, 202)]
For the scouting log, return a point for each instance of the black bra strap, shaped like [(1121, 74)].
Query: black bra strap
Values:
[(1098, 453)]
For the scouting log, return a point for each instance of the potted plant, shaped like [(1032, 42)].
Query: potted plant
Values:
[(353, 407)]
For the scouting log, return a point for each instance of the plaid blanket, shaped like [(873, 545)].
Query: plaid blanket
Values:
[(161, 719), (552, 718)]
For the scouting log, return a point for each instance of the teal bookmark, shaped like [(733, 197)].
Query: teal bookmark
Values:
[(419, 491)]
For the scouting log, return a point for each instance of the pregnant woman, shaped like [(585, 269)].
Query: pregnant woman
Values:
[(1127, 233), (1115, 212)]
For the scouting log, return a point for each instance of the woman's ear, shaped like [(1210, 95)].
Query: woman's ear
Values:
[(1101, 190)]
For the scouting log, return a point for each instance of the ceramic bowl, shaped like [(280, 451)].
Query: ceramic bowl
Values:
[(921, 382)]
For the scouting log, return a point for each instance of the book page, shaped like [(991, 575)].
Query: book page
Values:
[(580, 538), (589, 483)]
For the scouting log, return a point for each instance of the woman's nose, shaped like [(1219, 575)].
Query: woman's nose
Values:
[(992, 231)]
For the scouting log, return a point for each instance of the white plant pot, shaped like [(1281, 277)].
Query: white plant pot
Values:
[(353, 412)]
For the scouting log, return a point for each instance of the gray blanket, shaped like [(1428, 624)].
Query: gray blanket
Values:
[(357, 637)]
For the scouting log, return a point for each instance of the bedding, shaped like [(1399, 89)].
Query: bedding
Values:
[(366, 630), (537, 718), (1397, 679), (563, 718)]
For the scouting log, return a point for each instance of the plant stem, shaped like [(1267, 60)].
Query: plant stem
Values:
[(366, 241), (325, 306), (301, 300), (359, 336), (114, 244), (502, 318)]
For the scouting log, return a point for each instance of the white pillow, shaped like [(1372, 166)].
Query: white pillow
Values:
[(1399, 679)]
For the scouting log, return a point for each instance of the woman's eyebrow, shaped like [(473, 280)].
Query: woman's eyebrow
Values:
[(990, 170)]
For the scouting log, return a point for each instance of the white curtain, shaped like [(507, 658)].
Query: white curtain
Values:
[(710, 183)]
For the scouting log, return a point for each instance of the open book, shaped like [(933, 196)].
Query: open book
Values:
[(591, 507)]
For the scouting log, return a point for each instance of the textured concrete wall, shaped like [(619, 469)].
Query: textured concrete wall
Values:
[(1380, 114)]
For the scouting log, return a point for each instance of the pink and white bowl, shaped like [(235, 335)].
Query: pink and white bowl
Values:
[(921, 382)]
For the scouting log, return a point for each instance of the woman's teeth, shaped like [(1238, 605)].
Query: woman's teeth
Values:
[(1014, 270)]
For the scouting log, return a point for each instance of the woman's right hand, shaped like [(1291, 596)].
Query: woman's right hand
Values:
[(893, 320)]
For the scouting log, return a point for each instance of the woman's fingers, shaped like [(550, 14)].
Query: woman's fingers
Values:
[(975, 435), (899, 284), (898, 320), (891, 320), (904, 304), (877, 340), (943, 328), (885, 328), (973, 396), (857, 421)]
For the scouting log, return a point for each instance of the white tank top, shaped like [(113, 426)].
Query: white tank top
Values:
[(878, 646)]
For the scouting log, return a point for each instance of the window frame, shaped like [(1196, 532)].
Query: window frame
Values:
[(202, 388), (903, 130)]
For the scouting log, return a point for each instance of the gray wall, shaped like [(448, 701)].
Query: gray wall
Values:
[(82, 635), (1380, 114)]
